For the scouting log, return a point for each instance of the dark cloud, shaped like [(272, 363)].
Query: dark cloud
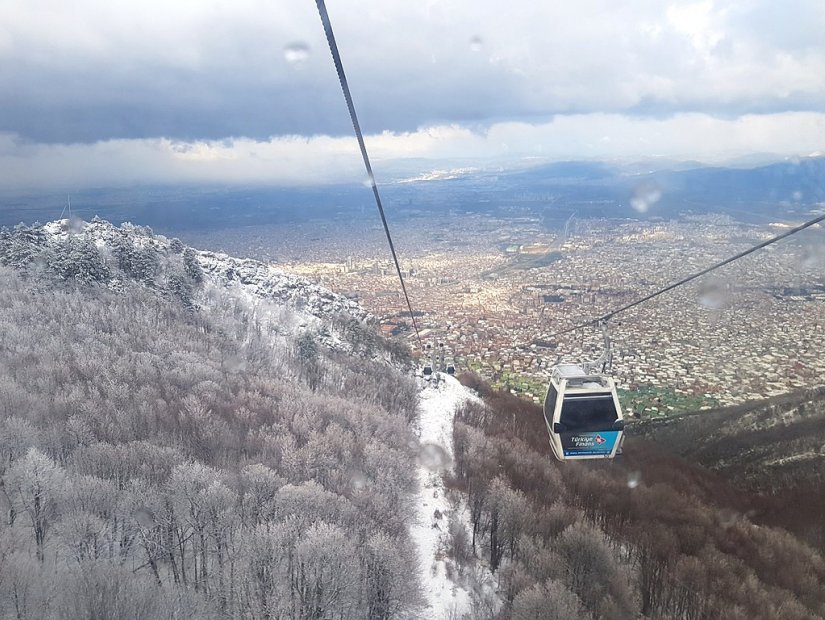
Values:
[(257, 69), (88, 103)]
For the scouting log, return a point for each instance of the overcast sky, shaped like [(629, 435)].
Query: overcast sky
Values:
[(107, 93)]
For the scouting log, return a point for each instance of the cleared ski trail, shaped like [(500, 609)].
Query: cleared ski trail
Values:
[(445, 598)]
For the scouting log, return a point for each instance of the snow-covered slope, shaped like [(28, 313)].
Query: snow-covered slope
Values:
[(283, 308), (254, 278), (285, 305), (449, 594), (267, 282)]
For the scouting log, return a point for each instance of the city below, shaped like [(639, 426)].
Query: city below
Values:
[(493, 289)]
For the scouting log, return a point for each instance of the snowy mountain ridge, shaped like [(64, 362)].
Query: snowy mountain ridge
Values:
[(266, 282), (282, 309), (97, 252), (255, 278), (187, 430)]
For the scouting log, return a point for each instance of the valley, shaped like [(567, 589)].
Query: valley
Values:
[(750, 331)]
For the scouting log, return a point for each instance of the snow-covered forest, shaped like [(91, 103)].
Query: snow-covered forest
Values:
[(168, 448)]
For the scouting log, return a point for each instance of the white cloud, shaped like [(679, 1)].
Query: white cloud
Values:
[(150, 90), (295, 160)]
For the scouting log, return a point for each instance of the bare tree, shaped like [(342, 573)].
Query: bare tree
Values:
[(33, 484), (548, 601)]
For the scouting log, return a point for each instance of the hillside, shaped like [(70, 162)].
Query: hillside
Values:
[(774, 449), (765, 445), (186, 435), (649, 535)]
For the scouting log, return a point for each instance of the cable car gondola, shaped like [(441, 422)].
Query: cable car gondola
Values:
[(582, 414)]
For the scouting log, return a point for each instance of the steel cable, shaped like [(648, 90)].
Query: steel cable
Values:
[(342, 78), (678, 283)]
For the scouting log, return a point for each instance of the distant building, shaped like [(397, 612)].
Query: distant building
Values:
[(552, 299)]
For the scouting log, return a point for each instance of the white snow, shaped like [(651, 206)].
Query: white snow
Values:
[(439, 400), (266, 282), (291, 302), (253, 278), (57, 228)]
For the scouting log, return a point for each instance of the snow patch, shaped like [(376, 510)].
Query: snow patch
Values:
[(446, 595), (272, 295), (266, 282)]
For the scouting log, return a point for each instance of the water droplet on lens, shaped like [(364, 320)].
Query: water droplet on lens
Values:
[(812, 257), (358, 481), (645, 196), (144, 517), (727, 518), (476, 43), (76, 225), (713, 296), (433, 457), (634, 478), (296, 53), (235, 363)]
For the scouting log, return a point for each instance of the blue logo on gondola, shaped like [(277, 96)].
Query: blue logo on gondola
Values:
[(589, 444)]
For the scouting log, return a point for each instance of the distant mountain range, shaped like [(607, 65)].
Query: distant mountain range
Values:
[(604, 190), (553, 191)]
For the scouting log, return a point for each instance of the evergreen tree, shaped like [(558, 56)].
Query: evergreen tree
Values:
[(192, 266)]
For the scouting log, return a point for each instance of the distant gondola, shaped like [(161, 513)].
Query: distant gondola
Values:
[(582, 414)]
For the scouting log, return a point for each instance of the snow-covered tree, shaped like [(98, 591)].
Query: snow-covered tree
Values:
[(33, 484)]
